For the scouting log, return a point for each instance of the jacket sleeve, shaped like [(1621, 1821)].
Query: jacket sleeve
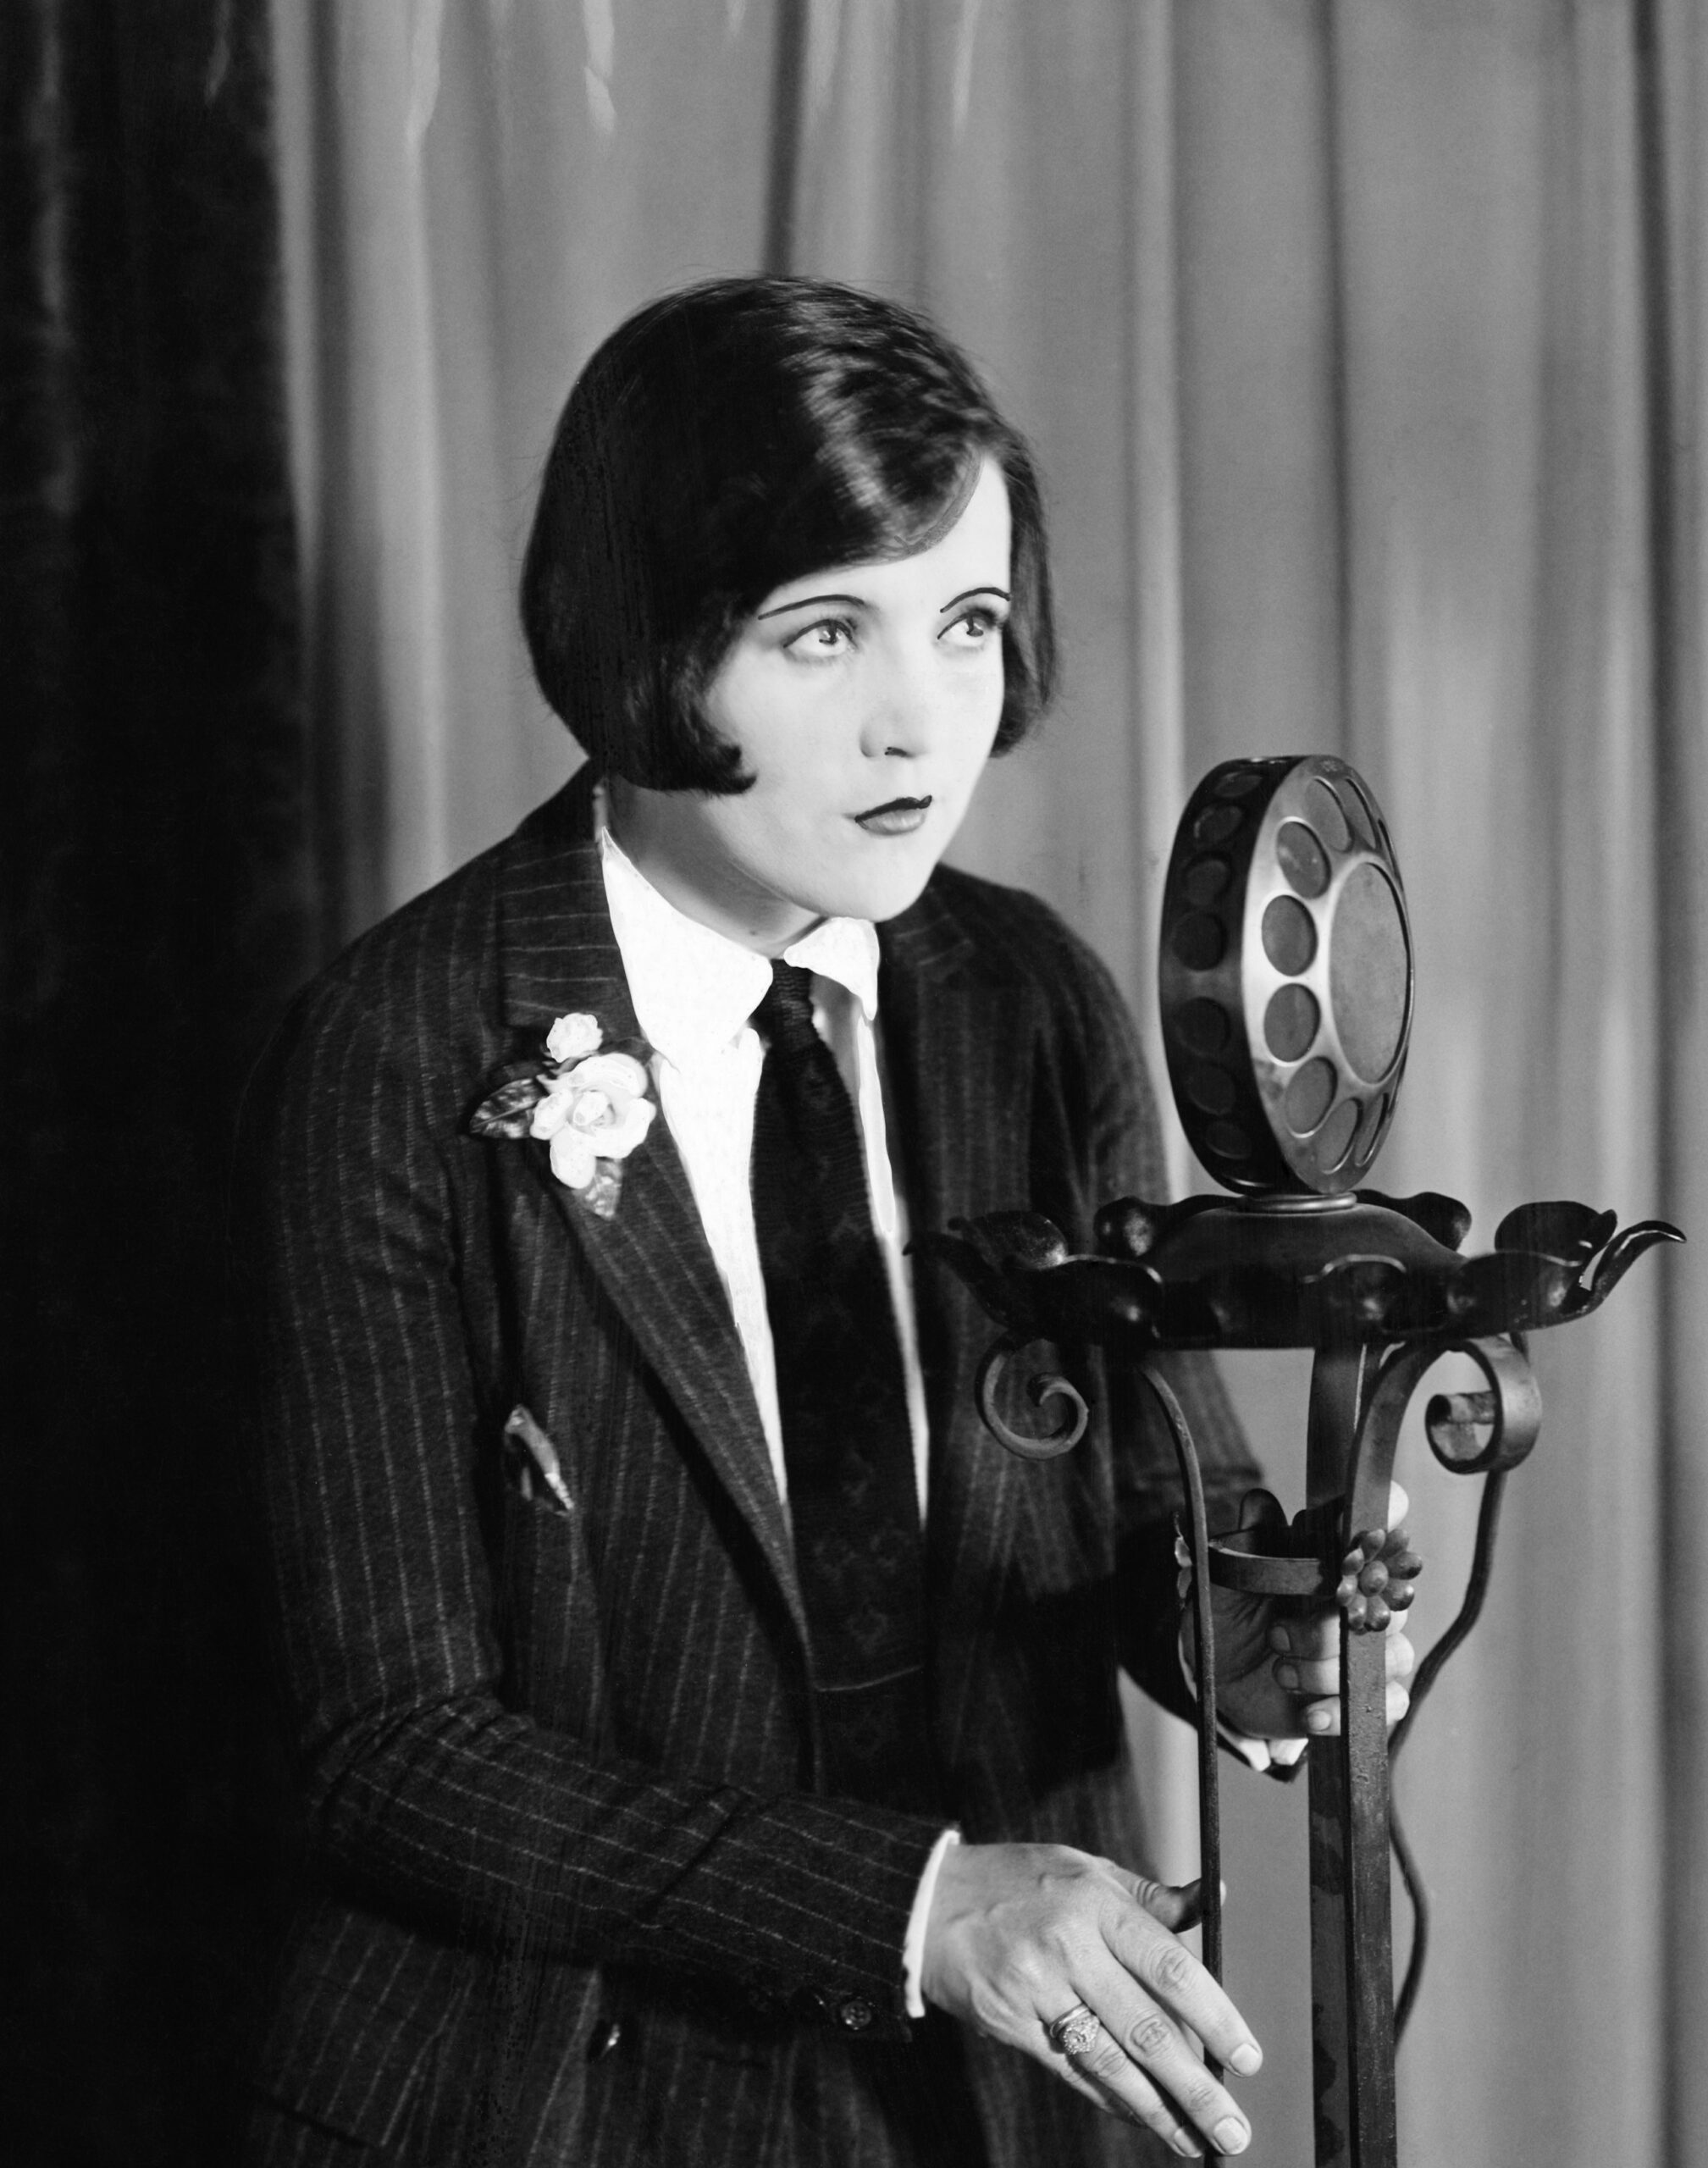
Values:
[(428, 1797), (1127, 1160)]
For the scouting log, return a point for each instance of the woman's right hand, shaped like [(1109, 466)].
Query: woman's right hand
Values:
[(1020, 1934)]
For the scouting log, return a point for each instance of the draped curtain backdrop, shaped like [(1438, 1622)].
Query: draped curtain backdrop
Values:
[(156, 902), (1363, 342)]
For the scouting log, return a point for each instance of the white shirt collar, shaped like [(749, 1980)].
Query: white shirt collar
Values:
[(694, 989)]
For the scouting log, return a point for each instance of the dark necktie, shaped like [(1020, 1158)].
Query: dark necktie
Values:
[(847, 1448)]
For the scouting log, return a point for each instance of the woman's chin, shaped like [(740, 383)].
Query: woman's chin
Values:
[(877, 893)]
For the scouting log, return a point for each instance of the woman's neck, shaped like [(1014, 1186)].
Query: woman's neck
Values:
[(662, 842)]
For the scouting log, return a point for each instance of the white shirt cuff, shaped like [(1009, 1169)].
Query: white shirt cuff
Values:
[(914, 1949)]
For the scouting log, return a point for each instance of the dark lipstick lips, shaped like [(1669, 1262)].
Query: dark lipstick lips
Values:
[(895, 805)]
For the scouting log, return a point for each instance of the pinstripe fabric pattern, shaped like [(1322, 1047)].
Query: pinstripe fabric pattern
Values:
[(560, 1764)]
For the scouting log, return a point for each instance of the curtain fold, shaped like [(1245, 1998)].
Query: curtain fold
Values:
[(1672, 88), (156, 902), (1363, 342)]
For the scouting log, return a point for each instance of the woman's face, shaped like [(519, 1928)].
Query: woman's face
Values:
[(864, 700)]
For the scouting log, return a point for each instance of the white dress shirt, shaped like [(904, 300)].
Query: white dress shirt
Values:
[(695, 992)]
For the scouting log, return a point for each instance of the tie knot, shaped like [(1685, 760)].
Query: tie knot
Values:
[(784, 1018)]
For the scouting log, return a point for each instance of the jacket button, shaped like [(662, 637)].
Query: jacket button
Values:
[(606, 2035), (856, 2013)]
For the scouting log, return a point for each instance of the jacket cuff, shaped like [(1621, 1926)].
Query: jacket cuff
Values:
[(802, 1908)]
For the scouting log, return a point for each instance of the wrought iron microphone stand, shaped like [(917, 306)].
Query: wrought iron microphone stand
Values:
[(1286, 986)]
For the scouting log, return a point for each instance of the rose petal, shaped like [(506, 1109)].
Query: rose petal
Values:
[(552, 1114), (631, 1122), (609, 1072), (591, 1110), (572, 1036), (573, 1158)]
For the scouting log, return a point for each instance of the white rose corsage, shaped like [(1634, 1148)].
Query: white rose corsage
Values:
[(589, 1108)]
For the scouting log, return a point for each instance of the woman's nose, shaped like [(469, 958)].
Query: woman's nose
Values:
[(900, 715)]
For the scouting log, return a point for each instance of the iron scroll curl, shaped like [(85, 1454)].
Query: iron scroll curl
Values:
[(1509, 1412), (1046, 1386)]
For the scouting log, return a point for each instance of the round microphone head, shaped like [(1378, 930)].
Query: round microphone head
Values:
[(1286, 974)]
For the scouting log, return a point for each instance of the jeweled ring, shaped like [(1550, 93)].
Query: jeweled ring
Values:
[(1076, 2034)]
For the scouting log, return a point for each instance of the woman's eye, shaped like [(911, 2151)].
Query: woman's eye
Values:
[(973, 629), (828, 638)]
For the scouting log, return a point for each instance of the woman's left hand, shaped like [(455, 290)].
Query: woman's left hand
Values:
[(1279, 1678)]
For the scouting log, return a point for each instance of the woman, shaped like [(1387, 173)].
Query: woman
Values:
[(711, 1743)]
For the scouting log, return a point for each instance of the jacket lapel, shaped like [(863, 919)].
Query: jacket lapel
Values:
[(958, 1046), (958, 1049), (558, 956)]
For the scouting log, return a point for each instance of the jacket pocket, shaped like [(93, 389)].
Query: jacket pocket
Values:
[(548, 1617)]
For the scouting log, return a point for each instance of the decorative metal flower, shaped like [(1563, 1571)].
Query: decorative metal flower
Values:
[(1378, 1575)]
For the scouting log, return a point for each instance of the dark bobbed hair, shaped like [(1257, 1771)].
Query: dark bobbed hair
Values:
[(726, 439)]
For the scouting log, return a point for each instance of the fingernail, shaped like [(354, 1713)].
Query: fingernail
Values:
[(1247, 2058), (1278, 1637), (1184, 2142), (1287, 1675), (1317, 1720), (1232, 2137)]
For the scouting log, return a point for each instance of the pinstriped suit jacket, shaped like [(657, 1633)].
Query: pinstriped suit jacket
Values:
[(559, 1764)]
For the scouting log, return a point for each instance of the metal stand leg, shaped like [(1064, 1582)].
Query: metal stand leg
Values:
[(1369, 1944), (1331, 2089), (1351, 1931)]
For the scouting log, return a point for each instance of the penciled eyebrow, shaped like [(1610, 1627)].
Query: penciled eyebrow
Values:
[(813, 602), (858, 602)]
